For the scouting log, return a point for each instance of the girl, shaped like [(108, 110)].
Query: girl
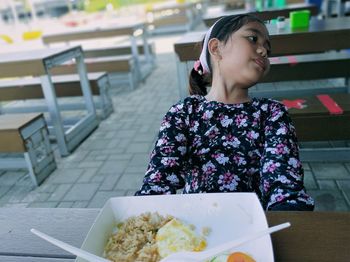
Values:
[(223, 140)]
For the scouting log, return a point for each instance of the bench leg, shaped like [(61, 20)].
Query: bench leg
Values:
[(104, 97), (39, 156)]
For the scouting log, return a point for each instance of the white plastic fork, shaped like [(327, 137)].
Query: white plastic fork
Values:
[(71, 249), (203, 255)]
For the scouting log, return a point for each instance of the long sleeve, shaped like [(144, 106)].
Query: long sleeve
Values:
[(165, 172), (281, 174)]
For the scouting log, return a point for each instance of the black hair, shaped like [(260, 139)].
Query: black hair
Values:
[(222, 30)]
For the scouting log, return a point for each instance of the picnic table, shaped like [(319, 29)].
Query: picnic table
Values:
[(321, 36), (132, 30), (39, 63), (313, 236), (265, 14)]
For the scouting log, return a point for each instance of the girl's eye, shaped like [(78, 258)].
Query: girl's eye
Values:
[(253, 38)]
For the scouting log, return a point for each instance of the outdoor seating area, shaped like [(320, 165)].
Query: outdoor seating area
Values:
[(83, 94)]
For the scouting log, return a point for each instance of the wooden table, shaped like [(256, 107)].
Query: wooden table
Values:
[(322, 35), (265, 14), (313, 236), (133, 30), (39, 63)]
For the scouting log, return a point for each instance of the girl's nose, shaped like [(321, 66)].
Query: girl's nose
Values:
[(262, 51)]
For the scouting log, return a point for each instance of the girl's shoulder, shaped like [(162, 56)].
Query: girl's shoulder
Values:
[(187, 104), (270, 105)]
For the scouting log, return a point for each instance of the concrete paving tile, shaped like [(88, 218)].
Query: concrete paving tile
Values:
[(329, 200), (129, 182), (80, 204), (327, 184), (81, 192), (138, 148), (4, 189), (87, 175), (89, 164), (109, 182), (101, 197), (115, 167), (60, 192), (10, 178), (119, 156), (309, 180), (330, 171), (343, 184), (65, 204), (44, 204), (140, 160), (63, 176)]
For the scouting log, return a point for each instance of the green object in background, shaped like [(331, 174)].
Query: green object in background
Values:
[(299, 19), (258, 5), (280, 3), (99, 5)]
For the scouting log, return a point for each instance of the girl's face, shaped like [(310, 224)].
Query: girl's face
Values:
[(244, 59)]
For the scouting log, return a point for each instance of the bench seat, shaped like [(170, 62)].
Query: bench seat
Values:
[(110, 64), (65, 86), (26, 134), (309, 67), (314, 122), (116, 50)]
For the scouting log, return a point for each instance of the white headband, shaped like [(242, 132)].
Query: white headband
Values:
[(203, 56)]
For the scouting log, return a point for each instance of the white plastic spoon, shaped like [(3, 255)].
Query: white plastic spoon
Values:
[(203, 255), (71, 249)]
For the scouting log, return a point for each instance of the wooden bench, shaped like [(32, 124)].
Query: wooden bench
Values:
[(115, 50), (121, 65), (307, 67), (172, 17), (65, 86), (26, 134), (265, 15), (321, 118)]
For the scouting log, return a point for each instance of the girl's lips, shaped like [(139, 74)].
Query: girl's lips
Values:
[(261, 63)]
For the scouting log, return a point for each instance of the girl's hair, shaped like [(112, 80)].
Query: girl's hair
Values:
[(222, 30)]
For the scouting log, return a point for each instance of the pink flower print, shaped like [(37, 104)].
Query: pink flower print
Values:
[(231, 140), (208, 168), (241, 120), (270, 166), (182, 150), (212, 132), (180, 137), (294, 162), (221, 158), (266, 186), (276, 115), (162, 141), (164, 125), (283, 179), (156, 177), (252, 135), (282, 149), (239, 160), (225, 121), (228, 181), (208, 114), (282, 131), (169, 161), (167, 149), (194, 126), (176, 108)]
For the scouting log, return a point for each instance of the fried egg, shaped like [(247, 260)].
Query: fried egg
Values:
[(175, 236)]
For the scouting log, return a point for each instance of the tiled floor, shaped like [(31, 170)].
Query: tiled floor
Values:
[(112, 160)]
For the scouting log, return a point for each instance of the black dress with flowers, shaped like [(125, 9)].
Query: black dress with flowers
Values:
[(207, 146)]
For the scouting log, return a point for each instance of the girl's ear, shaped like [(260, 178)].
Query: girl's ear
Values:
[(214, 48)]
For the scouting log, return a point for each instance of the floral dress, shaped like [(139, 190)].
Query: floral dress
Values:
[(208, 146)]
